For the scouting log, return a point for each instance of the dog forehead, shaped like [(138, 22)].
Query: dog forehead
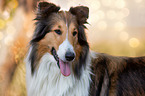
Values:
[(63, 19), (67, 17)]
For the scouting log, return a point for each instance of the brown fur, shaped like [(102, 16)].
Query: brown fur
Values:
[(111, 76), (108, 70), (66, 22)]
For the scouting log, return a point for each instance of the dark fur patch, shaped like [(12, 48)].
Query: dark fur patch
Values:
[(84, 53), (81, 62), (33, 57), (99, 76), (81, 12), (53, 52), (82, 37), (132, 79), (40, 32), (43, 26), (45, 9), (125, 76)]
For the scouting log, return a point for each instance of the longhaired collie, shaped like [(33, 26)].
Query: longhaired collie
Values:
[(59, 62)]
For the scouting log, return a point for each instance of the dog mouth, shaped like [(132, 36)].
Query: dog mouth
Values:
[(64, 66)]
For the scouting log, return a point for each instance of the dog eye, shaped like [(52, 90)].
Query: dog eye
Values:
[(74, 33), (58, 32)]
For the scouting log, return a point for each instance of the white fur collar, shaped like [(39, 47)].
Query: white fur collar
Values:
[(48, 80)]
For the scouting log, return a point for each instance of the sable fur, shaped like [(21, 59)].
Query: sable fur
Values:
[(110, 75), (118, 76), (81, 12), (43, 26)]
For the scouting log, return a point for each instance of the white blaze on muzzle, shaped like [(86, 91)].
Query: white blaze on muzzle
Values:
[(63, 62), (63, 48), (66, 54)]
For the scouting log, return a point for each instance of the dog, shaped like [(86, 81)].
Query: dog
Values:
[(60, 63)]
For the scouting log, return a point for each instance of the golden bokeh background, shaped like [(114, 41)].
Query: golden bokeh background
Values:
[(116, 27)]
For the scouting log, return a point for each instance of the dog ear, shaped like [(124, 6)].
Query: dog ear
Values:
[(81, 12), (45, 9)]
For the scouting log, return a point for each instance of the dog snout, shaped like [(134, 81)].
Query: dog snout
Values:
[(69, 56)]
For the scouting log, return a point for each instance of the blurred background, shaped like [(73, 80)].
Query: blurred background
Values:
[(116, 27)]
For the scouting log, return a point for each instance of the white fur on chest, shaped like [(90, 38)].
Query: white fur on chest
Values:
[(48, 80)]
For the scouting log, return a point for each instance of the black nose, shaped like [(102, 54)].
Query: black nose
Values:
[(69, 56)]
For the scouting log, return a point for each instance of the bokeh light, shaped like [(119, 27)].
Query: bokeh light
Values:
[(1, 35), (8, 40), (119, 26), (106, 2), (95, 4), (138, 1), (94, 16), (125, 12), (10, 30), (29, 34), (111, 14), (124, 36), (134, 42), (102, 25), (6, 14), (120, 4), (2, 23), (13, 4), (101, 14)]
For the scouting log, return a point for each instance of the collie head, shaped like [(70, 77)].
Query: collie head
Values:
[(61, 34)]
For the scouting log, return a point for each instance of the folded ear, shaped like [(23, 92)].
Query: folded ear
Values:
[(45, 9), (81, 12)]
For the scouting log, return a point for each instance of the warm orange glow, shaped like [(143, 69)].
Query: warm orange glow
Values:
[(2, 23), (13, 4), (29, 34)]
